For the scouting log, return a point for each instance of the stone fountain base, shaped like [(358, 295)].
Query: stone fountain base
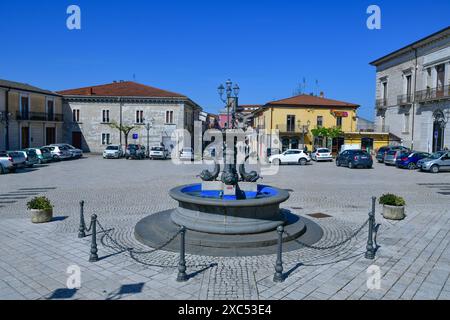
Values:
[(156, 229)]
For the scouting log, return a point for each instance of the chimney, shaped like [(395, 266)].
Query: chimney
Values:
[(322, 95)]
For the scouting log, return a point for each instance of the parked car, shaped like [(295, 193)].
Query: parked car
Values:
[(408, 160), (321, 154), (18, 159), (187, 154), (384, 150), (59, 153), (75, 152), (113, 151), (6, 163), (159, 153), (439, 161), (135, 151), (354, 159), (390, 158), (31, 157), (291, 156)]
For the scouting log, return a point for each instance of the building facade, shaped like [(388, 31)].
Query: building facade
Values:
[(90, 111), (296, 117), (413, 93), (29, 116)]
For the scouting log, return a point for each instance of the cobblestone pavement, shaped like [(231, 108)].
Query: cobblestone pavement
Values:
[(414, 254)]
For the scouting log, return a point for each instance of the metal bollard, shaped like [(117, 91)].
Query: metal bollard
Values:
[(278, 277), (94, 257), (82, 229), (182, 276), (370, 253)]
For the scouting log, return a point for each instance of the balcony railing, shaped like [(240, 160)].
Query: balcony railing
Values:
[(39, 116), (432, 94), (404, 99), (381, 103)]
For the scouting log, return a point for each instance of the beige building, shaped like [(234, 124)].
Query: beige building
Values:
[(29, 116), (89, 112)]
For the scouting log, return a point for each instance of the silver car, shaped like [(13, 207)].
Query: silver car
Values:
[(59, 153), (6, 163), (390, 159), (439, 161), (76, 153), (18, 159)]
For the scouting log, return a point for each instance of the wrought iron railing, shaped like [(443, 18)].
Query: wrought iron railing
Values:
[(39, 116), (381, 103), (429, 94), (404, 99)]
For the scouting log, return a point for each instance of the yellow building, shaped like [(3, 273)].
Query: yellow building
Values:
[(295, 117)]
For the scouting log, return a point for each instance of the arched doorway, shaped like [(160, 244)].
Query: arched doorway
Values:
[(284, 144), (294, 143), (438, 130)]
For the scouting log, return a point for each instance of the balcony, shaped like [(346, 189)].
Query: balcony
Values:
[(381, 103), (433, 94), (39, 116), (404, 99), (284, 128)]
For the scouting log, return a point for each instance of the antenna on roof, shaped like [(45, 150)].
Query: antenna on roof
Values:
[(317, 88), (304, 85), (134, 76)]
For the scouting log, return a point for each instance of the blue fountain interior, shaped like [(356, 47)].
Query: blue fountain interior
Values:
[(263, 191)]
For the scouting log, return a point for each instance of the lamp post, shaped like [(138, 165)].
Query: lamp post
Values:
[(304, 128), (4, 118), (148, 126), (230, 175)]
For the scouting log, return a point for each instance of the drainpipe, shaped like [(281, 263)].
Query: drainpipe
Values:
[(120, 119), (7, 119), (416, 68)]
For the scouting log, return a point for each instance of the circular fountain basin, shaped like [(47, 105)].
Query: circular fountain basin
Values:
[(209, 213)]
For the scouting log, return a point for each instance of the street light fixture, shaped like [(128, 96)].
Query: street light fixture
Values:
[(232, 93), (148, 126)]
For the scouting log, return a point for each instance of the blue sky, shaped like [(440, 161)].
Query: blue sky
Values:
[(190, 47)]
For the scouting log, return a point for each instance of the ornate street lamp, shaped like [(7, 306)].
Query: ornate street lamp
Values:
[(305, 129), (148, 126)]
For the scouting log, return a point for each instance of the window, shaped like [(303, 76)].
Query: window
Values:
[(105, 116), (169, 116), (406, 123), (76, 115), (139, 116), (384, 93), (319, 121), (50, 110), (339, 121), (290, 123), (408, 86), (106, 139), (24, 107)]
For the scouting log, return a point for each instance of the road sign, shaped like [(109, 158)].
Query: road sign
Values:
[(135, 136)]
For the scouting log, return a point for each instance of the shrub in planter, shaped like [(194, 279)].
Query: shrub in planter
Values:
[(393, 206), (41, 210)]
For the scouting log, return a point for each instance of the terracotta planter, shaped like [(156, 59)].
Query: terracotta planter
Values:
[(41, 216), (393, 213)]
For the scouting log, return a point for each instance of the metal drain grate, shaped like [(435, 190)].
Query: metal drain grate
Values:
[(297, 208), (319, 215)]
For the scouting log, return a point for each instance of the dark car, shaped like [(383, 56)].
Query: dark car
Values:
[(383, 151), (354, 159), (31, 157), (408, 160), (135, 151)]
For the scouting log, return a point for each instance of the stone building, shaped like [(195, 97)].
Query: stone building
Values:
[(89, 112), (413, 93), (29, 116)]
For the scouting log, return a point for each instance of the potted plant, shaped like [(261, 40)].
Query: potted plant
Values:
[(393, 207), (41, 210)]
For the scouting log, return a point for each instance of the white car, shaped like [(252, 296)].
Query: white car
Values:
[(159, 153), (76, 153), (187, 154), (322, 154), (113, 151), (291, 156)]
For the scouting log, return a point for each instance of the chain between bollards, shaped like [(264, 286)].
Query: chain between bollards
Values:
[(94, 257), (278, 277), (182, 276), (370, 248), (82, 229)]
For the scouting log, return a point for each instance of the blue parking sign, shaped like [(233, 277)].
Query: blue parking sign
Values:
[(135, 136)]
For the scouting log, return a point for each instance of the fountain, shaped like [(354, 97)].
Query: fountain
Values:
[(229, 213)]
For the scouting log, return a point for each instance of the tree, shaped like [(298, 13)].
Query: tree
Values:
[(327, 133), (125, 129)]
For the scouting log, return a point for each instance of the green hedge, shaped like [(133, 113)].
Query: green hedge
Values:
[(39, 203), (392, 200)]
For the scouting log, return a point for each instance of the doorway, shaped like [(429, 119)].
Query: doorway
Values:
[(50, 135), (367, 144), (337, 144), (438, 131), (76, 140), (25, 141)]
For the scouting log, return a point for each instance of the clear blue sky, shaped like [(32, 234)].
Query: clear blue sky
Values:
[(192, 46)]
